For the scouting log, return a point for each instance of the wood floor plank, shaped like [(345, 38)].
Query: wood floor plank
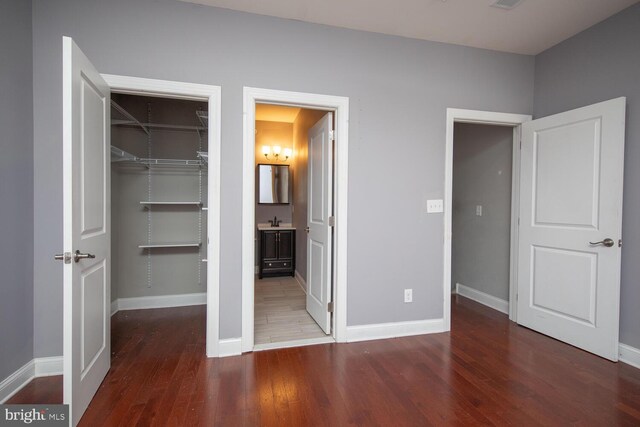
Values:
[(486, 371)]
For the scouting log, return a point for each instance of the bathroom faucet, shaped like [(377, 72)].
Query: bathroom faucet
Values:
[(275, 222)]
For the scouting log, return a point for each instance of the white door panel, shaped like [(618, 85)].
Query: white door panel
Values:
[(87, 224), (570, 195), (320, 208)]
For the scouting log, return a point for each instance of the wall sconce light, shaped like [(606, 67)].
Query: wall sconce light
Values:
[(276, 150)]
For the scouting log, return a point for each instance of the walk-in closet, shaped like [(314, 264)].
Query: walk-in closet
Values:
[(158, 202)]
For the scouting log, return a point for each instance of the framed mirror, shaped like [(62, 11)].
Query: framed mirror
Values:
[(273, 184)]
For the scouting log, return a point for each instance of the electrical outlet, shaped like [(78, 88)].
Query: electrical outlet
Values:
[(479, 210), (408, 295), (435, 206)]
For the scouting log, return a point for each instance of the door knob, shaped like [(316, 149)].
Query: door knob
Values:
[(306, 229), (79, 255), (606, 242)]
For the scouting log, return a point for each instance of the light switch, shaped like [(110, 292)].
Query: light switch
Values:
[(478, 210), (435, 206)]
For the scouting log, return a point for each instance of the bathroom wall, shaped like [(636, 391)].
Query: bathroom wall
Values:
[(272, 133), (482, 159)]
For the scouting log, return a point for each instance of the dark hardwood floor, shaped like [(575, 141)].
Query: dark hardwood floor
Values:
[(486, 371)]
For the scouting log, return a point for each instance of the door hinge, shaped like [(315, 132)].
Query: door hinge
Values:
[(332, 135), (332, 221), (330, 307)]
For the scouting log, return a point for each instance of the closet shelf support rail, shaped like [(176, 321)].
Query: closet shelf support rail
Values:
[(131, 121)]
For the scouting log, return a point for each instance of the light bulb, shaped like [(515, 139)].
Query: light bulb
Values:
[(266, 150), (287, 152), (276, 149)]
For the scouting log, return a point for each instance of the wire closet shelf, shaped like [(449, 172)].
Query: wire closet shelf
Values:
[(121, 117)]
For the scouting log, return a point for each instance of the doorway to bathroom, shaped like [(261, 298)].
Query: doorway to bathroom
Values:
[(293, 181), (292, 277)]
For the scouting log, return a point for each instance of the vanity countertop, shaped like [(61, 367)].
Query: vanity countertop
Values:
[(283, 226)]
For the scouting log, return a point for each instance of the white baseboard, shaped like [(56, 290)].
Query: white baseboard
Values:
[(301, 282), (483, 298), (39, 367), (48, 366), (230, 347), (14, 382), (394, 330), (629, 355), (161, 301)]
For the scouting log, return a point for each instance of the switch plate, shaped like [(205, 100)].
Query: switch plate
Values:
[(479, 210), (435, 206), (408, 295)]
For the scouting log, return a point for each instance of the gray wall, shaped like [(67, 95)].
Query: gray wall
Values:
[(16, 187), (482, 158), (399, 90), (174, 271), (601, 63)]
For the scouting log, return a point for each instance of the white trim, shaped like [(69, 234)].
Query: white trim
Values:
[(483, 298), (295, 343), (14, 382), (480, 117), (39, 367), (323, 102), (301, 282), (230, 347), (48, 366), (161, 301), (211, 94), (114, 307), (629, 355), (394, 330)]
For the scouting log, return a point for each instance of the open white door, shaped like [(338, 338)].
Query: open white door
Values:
[(87, 229), (571, 195), (319, 212)]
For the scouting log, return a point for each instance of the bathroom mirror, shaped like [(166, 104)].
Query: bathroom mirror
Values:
[(273, 184)]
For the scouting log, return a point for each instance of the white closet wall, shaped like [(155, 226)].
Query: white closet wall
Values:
[(141, 272)]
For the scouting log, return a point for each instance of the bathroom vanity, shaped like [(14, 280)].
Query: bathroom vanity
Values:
[(277, 251)]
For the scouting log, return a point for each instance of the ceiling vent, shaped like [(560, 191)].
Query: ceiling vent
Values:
[(506, 4)]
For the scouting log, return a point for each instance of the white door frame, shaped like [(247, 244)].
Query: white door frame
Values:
[(306, 100), (455, 115), (210, 94)]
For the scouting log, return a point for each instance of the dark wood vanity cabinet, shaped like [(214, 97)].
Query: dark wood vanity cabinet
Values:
[(277, 253)]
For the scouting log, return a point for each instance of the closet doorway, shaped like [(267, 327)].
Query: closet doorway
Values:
[(159, 181), (174, 169)]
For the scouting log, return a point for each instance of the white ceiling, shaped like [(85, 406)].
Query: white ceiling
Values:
[(529, 28), (276, 113)]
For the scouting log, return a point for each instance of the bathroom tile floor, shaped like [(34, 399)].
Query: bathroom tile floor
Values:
[(280, 312)]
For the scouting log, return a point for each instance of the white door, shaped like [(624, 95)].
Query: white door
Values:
[(319, 212), (570, 200), (87, 229)]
